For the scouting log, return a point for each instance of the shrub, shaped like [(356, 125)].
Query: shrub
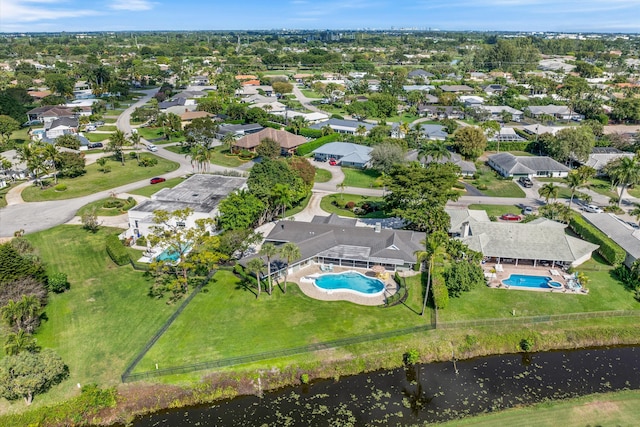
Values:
[(142, 241), (304, 378), (308, 147), (113, 203), (147, 162), (57, 282), (116, 250), (133, 155), (311, 133), (439, 289), (609, 250), (411, 357), (482, 187), (349, 205), (526, 344), (60, 187)]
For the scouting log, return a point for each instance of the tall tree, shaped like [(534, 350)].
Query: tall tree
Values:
[(470, 141), (18, 342), (290, 252), (434, 247), (256, 266), (8, 125), (624, 172), (435, 150), (549, 191), (117, 141), (386, 155), (269, 251)]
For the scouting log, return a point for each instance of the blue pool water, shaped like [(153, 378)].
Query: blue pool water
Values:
[(526, 281), (169, 255), (350, 281)]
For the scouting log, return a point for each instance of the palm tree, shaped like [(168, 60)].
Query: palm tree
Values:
[(228, 140), (134, 139), (437, 150), (50, 154), (289, 251), (433, 248), (574, 181), (327, 130), (404, 129), (361, 131), (636, 213), (625, 172), (341, 187), (256, 266), (19, 342), (269, 250), (549, 190), (117, 141), (282, 196)]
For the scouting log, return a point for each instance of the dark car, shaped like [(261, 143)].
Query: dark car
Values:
[(95, 145), (525, 182), (157, 180)]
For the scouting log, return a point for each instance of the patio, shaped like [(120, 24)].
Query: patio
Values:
[(309, 289), (495, 273)]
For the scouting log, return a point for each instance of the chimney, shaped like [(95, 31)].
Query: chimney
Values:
[(464, 230), (378, 227)]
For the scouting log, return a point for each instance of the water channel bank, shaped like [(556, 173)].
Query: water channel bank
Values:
[(424, 393)]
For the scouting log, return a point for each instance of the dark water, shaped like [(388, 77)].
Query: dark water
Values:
[(425, 393)]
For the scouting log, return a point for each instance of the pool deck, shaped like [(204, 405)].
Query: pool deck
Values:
[(508, 269), (309, 289)]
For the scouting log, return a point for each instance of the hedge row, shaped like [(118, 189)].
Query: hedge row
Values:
[(509, 146), (439, 288), (311, 133), (308, 147), (609, 249), (116, 250)]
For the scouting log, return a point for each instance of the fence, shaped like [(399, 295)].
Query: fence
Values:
[(127, 372), (273, 354)]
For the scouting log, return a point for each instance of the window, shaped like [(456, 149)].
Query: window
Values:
[(180, 224)]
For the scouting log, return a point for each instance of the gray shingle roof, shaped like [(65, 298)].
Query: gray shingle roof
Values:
[(526, 164), (343, 149), (348, 124)]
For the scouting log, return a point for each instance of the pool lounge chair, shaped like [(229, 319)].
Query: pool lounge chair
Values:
[(554, 272), (499, 267)]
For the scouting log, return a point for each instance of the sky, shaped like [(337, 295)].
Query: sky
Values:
[(505, 15)]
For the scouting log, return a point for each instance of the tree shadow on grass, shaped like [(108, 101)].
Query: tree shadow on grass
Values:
[(247, 286)]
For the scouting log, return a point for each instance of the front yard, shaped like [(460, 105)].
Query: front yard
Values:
[(491, 184), (220, 156), (335, 203), (361, 178)]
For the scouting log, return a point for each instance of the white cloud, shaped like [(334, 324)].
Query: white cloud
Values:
[(14, 11), (131, 5)]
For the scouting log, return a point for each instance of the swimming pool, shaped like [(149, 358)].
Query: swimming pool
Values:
[(171, 254), (526, 281), (350, 281)]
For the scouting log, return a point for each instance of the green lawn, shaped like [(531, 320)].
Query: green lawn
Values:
[(219, 156), (326, 204), (104, 319), (108, 128), (599, 185), (496, 210), (109, 120), (95, 180), (154, 188), (611, 409), (97, 137), (236, 323), (322, 175), (101, 210), (20, 136), (362, 178), (3, 195), (605, 293), (156, 133), (634, 192), (405, 118), (297, 209), (310, 93), (490, 184)]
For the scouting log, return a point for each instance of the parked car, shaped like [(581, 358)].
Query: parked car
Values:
[(333, 162), (152, 147), (525, 182), (510, 217), (95, 145), (98, 123), (90, 128), (157, 180), (527, 210), (592, 209)]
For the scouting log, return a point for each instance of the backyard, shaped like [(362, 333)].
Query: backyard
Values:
[(362, 178), (94, 180)]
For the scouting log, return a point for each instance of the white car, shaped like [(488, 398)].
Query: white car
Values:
[(593, 209), (152, 147)]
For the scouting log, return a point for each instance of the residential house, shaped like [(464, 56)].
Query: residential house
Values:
[(457, 88), (510, 166), (200, 80), (420, 88), (49, 113), (478, 76), (627, 237), (494, 89), (420, 75), (345, 153), (255, 89), (344, 126), (467, 168), (506, 134), (540, 240), (542, 129), (432, 132), (311, 118), (472, 100), (238, 130), (191, 94), (440, 112), (600, 156), (497, 112), (338, 241), (288, 141), (188, 116), (61, 126), (557, 112), (200, 193)]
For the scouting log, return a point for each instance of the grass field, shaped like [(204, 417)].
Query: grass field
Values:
[(322, 175), (237, 323), (3, 195), (97, 137), (156, 133), (490, 184), (341, 199), (101, 210), (109, 128), (634, 192), (95, 180), (154, 188), (362, 178), (497, 210), (310, 93), (612, 409), (104, 319), (605, 293), (219, 156)]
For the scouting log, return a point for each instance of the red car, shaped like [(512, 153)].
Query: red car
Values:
[(157, 180), (510, 217), (333, 162)]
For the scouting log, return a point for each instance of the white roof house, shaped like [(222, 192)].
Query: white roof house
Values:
[(561, 112), (497, 111), (600, 156), (508, 165), (348, 154), (542, 129), (538, 240)]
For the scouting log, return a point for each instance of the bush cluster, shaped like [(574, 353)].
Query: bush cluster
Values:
[(609, 250), (308, 147), (439, 289), (116, 250)]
